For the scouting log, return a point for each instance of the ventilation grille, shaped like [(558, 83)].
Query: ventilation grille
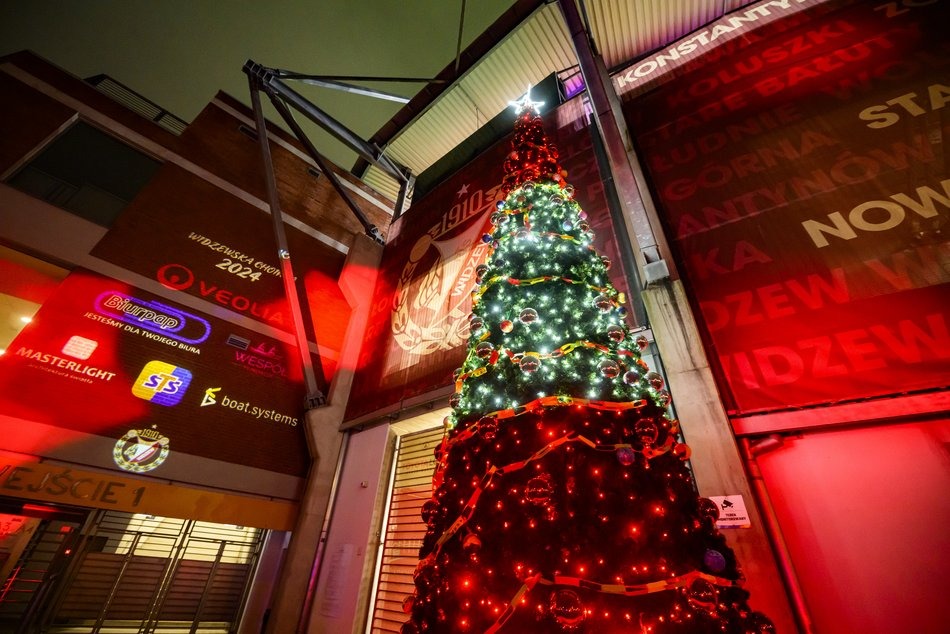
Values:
[(137, 103)]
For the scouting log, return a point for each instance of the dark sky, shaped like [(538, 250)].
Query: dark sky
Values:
[(178, 53)]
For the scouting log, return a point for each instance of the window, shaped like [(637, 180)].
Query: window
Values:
[(87, 172)]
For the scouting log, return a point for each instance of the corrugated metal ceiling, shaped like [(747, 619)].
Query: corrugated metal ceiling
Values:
[(622, 30)]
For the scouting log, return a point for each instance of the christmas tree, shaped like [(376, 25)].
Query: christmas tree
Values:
[(562, 499)]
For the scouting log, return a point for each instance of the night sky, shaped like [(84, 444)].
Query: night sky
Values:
[(178, 53)]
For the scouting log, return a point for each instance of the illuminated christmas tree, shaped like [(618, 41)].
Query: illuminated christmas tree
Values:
[(562, 500)]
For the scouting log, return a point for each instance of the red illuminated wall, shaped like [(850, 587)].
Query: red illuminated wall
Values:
[(801, 174), (870, 549), (419, 324), (186, 234), (178, 326), (80, 366)]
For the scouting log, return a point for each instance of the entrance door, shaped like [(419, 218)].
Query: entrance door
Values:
[(133, 573)]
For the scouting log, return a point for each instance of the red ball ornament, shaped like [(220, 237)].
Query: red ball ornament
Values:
[(702, 594), (430, 511), (507, 325), (708, 510), (487, 427), (539, 489), (528, 315), (631, 377), (484, 350), (529, 363), (609, 368), (567, 610), (616, 333), (646, 431), (603, 303), (682, 451), (471, 542)]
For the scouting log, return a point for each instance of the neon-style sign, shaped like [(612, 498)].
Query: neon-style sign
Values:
[(154, 317)]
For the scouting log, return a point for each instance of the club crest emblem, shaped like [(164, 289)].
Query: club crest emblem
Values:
[(140, 450), (430, 310)]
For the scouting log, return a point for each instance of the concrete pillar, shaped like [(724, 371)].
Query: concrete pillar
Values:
[(290, 610), (716, 461)]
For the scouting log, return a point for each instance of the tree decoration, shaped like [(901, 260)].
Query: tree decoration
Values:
[(609, 368), (626, 455), (539, 489), (567, 610), (562, 500), (530, 363), (646, 431), (714, 560), (603, 303), (655, 380), (642, 342), (528, 315)]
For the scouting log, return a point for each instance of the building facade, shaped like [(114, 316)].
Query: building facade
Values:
[(154, 445), (787, 162)]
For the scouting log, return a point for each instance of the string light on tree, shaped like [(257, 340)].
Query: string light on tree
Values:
[(562, 501)]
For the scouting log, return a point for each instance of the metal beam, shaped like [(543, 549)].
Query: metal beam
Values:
[(322, 82), (269, 79), (286, 74), (315, 396), (371, 230)]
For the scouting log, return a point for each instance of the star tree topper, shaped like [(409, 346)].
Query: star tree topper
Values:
[(526, 103)]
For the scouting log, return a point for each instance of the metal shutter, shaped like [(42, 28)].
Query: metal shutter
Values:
[(404, 528)]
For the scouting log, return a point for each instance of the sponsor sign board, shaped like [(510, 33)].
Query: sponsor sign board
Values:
[(101, 357)]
